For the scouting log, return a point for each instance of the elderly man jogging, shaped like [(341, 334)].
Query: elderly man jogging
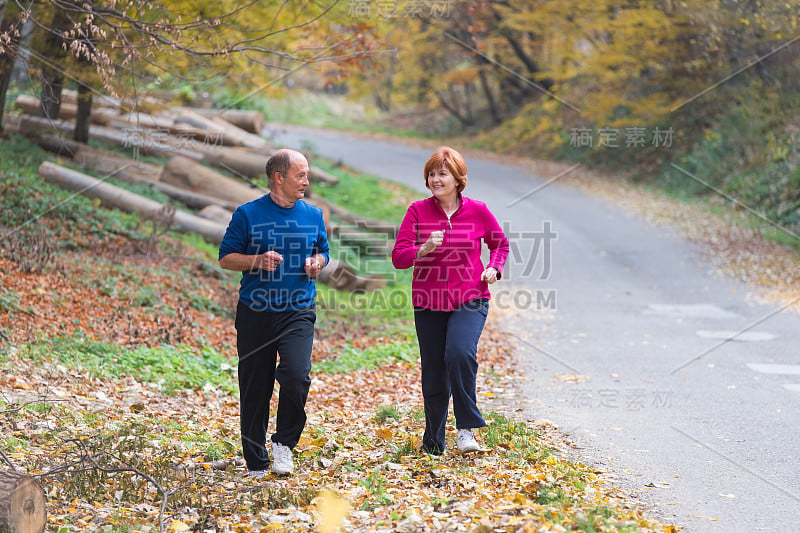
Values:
[(279, 244)]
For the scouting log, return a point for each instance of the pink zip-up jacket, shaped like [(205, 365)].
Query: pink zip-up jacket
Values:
[(449, 276)]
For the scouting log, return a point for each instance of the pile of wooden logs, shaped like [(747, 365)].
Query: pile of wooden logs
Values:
[(195, 143), (208, 139)]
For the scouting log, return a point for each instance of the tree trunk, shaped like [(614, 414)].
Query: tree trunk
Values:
[(384, 103), (30, 105), (238, 162), (52, 48), (221, 132), (487, 91), (374, 245), (216, 213), (52, 84), (69, 96), (248, 120), (138, 141), (241, 162), (367, 224), (84, 111), (469, 89), (519, 51), (9, 25), (343, 277), (529, 63), (452, 110), (6, 68), (185, 173), (125, 169), (23, 507), (115, 197), (82, 117), (100, 161), (165, 124)]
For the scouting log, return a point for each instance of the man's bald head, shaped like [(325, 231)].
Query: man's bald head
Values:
[(281, 161)]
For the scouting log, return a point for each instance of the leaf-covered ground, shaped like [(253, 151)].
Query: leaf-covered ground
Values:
[(118, 390), (117, 386)]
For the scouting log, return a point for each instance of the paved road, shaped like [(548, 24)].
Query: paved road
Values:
[(631, 362)]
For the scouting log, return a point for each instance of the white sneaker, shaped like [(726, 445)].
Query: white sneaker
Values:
[(257, 474), (465, 442), (281, 459)]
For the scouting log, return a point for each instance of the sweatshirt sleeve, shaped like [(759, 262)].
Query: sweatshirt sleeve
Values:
[(405, 248), (321, 245), (497, 243), (235, 239)]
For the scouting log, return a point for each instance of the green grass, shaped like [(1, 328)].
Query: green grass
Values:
[(386, 312), (405, 448), (206, 304), (209, 250), (9, 301), (375, 484), (386, 412), (13, 444), (305, 108), (220, 450), (172, 368), (519, 442), (29, 206), (352, 359), (366, 195)]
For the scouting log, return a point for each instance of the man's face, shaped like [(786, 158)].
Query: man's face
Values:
[(293, 184)]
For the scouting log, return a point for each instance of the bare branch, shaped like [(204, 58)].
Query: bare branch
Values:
[(8, 461), (26, 404), (87, 461)]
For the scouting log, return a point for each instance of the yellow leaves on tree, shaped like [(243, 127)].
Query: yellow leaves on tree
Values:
[(615, 63), (461, 75)]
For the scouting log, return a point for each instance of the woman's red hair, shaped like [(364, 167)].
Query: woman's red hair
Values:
[(454, 161)]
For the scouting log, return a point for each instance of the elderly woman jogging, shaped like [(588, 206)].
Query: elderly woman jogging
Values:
[(441, 238)]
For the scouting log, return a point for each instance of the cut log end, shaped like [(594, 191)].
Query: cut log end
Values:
[(23, 508)]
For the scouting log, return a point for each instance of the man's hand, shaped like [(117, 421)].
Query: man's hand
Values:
[(268, 261), (313, 266), (489, 275)]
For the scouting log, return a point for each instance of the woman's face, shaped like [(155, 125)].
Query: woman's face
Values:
[(442, 183)]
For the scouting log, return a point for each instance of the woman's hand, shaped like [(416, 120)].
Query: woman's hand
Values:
[(489, 275), (435, 239)]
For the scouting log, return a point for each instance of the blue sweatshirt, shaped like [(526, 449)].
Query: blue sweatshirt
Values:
[(296, 232)]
